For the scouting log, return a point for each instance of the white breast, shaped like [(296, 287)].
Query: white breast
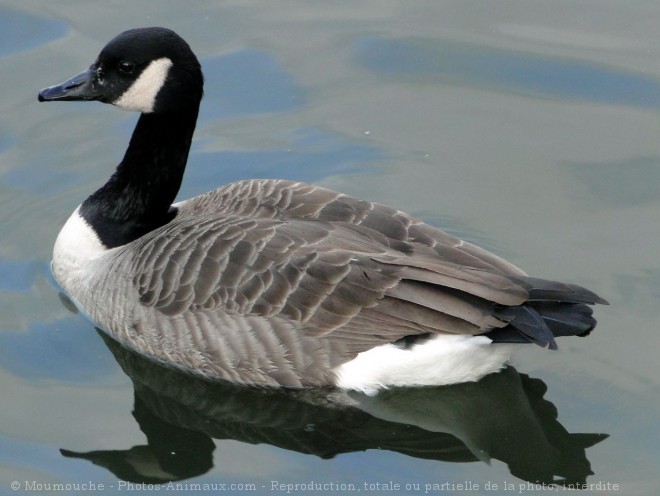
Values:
[(76, 246)]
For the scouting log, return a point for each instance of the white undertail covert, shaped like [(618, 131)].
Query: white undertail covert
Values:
[(440, 360)]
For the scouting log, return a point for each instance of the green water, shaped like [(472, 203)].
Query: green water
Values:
[(528, 128)]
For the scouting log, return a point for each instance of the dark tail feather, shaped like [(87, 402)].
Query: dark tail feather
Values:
[(544, 290), (566, 319), (525, 325), (553, 309)]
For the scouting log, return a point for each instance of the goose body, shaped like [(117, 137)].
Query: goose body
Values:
[(280, 283)]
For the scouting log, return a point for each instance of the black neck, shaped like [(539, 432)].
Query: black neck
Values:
[(138, 196)]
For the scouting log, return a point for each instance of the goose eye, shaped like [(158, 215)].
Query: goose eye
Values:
[(126, 67)]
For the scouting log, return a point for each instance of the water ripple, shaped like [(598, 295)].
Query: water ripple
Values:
[(427, 60), (20, 31)]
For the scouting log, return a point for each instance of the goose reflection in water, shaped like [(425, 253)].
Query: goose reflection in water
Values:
[(503, 417)]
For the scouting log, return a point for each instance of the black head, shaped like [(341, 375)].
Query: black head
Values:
[(149, 70)]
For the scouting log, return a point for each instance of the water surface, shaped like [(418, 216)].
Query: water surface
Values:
[(530, 129)]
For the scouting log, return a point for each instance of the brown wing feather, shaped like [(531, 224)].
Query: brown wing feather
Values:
[(344, 270)]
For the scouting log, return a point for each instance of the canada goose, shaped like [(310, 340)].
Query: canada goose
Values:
[(271, 282)]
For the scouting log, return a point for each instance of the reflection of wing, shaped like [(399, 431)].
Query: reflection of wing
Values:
[(521, 429), (304, 278)]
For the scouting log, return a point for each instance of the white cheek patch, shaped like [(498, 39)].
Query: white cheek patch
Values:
[(141, 95)]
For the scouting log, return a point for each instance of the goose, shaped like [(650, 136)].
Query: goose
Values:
[(279, 283)]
